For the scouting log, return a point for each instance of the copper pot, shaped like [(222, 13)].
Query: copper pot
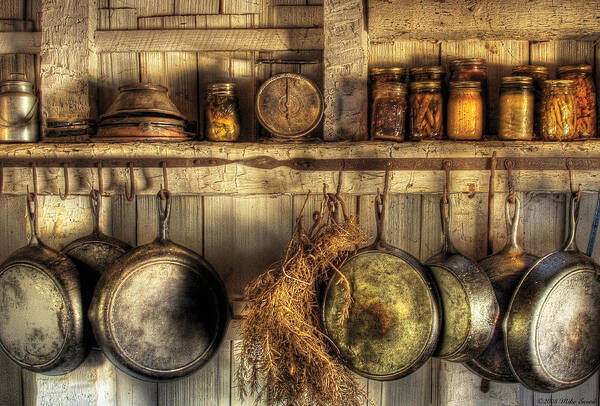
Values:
[(142, 99)]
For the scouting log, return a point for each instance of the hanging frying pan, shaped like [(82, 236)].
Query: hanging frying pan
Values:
[(505, 269), (160, 311), (394, 319), (552, 326), (41, 311), (469, 304)]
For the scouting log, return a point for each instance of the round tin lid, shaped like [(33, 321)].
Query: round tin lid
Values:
[(289, 105)]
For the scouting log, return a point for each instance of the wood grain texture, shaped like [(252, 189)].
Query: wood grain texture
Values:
[(191, 7), (298, 16), (405, 53), (486, 19), (20, 42), (210, 40), (346, 57), (561, 52), (241, 6)]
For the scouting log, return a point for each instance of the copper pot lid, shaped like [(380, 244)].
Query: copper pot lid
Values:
[(142, 99), (289, 105)]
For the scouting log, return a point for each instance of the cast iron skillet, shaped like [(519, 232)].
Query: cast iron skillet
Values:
[(160, 311), (395, 318), (552, 326), (41, 312), (468, 300)]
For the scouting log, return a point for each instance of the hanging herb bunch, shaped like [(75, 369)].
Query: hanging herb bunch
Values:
[(286, 358)]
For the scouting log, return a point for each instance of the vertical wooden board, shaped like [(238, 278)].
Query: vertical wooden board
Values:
[(13, 9), (152, 64), (192, 7), (244, 235), (240, 6), (297, 16), (146, 8), (242, 73), (404, 53), (501, 56), (13, 235), (561, 52), (33, 11)]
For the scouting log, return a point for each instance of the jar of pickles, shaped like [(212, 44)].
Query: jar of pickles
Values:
[(471, 69), (426, 111), (585, 98), (539, 74), (516, 108), (465, 111), (222, 113), (558, 111), (387, 74), (425, 73), (388, 111)]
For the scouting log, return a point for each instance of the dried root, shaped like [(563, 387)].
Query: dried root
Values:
[(285, 357)]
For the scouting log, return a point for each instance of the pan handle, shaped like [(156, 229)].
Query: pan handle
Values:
[(163, 214), (570, 243), (512, 226), (32, 214), (380, 211), (446, 215)]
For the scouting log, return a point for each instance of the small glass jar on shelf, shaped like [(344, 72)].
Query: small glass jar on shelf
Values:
[(465, 111), (585, 97), (516, 110), (426, 73), (388, 111), (222, 113), (471, 69), (426, 111), (539, 74), (559, 111)]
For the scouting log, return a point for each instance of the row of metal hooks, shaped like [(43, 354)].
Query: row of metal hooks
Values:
[(129, 190)]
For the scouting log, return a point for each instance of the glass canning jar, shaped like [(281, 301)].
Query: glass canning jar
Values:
[(516, 108), (539, 74), (426, 73), (387, 74), (465, 111), (585, 97), (222, 113), (426, 111), (388, 111), (472, 69), (559, 111)]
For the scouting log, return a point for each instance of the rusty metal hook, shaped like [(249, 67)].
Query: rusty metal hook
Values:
[(164, 188), (67, 188), (130, 195), (100, 179), (509, 165), (573, 191), (447, 165)]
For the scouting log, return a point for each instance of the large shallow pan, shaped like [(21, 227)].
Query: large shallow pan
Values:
[(552, 327), (160, 311), (505, 269), (41, 311), (469, 304), (395, 318)]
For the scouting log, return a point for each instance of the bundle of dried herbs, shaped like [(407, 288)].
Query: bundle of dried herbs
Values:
[(285, 356)]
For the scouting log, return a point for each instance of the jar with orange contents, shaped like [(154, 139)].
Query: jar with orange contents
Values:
[(465, 111), (585, 98)]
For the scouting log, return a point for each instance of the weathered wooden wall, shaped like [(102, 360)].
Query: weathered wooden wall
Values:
[(241, 234)]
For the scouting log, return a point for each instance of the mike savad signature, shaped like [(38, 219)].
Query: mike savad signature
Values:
[(566, 401)]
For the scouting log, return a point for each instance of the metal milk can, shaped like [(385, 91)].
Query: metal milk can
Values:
[(18, 110)]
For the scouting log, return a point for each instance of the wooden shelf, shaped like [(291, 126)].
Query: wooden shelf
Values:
[(279, 168)]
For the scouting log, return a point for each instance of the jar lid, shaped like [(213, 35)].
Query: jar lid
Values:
[(559, 83), (523, 81), (142, 86), (399, 87), (426, 85), (221, 87), (575, 69), (426, 69), (386, 70), (466, 84), (474, 62), (530, 69)]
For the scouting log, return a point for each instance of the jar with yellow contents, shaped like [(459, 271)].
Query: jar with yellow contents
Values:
[(516, 110), (465, 111), (559, 111), (539, 74), (222, 113)]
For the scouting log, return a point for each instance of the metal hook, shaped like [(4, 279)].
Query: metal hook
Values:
[(164, 188), (130, 195), (35, 179), (1, 178), (509, 165), (67, 188), (100, 179), (573, 191), (447, 165)]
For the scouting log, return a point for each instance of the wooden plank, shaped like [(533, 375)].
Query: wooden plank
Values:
[(13, 236), (183, 7), (501, 56), (486, 19), (561, 52), (248, 233), (345, 84), (240, 6), (13, 9), (67, 57), (404, 53), (146, 8), (152, 64), (210, 40), (298, 16), (20, 42)]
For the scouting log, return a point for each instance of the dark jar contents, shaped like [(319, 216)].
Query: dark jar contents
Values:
[(387, 74), (222, 113), (471, 69), (426, 111), (465, 111), (585, 98), (539, 74), (559, 111), (516, 108), (388, 111), (427, 73)]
